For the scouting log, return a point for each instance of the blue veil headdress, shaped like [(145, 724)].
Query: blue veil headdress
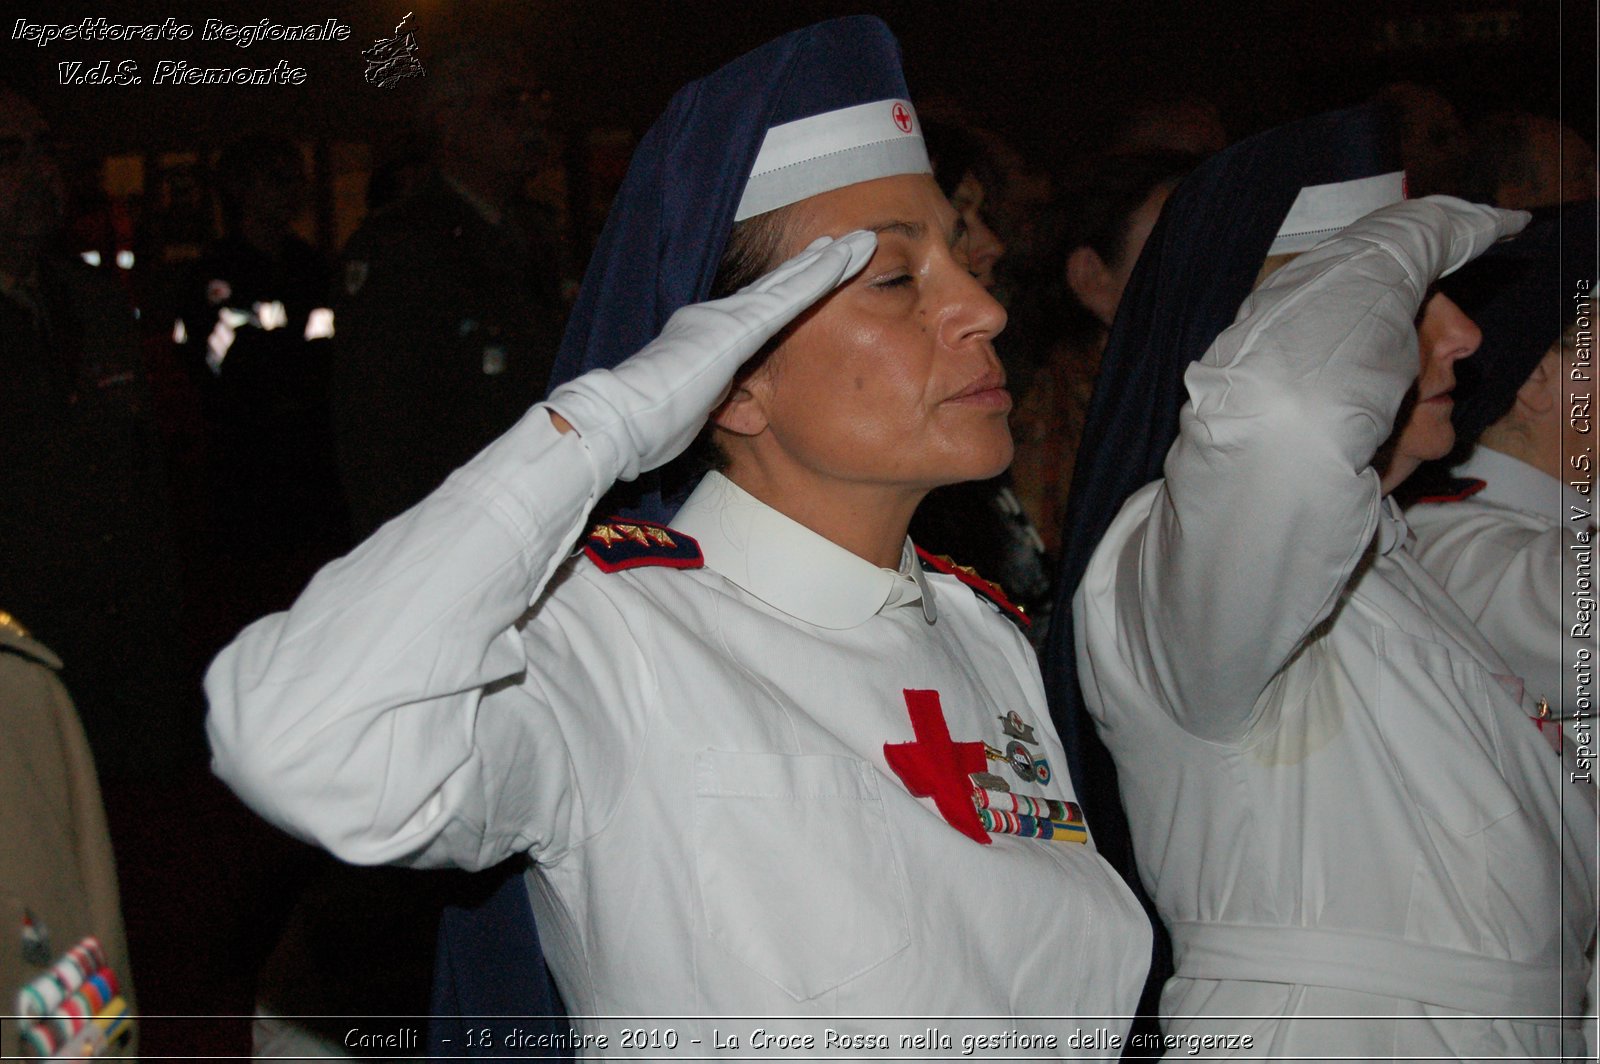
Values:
[(814, 110)]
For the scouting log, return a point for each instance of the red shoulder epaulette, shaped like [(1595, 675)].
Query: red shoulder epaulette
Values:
[(619, 544), (969, 576), (1454, 490)]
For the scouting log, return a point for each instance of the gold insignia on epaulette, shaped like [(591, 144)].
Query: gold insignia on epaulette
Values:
[(616, 545), (968, 570), (985, 581), (12, 625), (635, 533)]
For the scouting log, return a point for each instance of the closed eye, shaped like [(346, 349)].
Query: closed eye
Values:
[(897, 281)]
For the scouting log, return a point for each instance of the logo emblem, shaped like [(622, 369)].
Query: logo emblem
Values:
[(392, 59), (1020, 760), (936, 767), (1014, 726), (902, 117)]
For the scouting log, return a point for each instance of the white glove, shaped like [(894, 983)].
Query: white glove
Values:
[(647, 411), (1435, 235)]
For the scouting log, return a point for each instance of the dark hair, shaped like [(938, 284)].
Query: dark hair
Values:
[(1095, 211), (1099, 211), (956, 152), (753, 248), (1501, 153)]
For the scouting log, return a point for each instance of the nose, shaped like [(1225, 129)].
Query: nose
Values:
[(1445, 333), (971, 313)]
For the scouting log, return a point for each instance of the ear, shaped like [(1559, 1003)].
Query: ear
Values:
[(1089, 279), (742, 412), (1086, 271), (1538, 395)]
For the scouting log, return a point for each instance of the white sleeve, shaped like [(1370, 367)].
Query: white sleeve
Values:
[(1269, 497), (385, 715)]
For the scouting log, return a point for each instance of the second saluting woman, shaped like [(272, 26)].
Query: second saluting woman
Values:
[(1339, 798), (766, 760)]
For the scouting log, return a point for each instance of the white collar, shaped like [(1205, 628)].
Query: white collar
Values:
[(790, 567), (1514, 483), (1393, 531)]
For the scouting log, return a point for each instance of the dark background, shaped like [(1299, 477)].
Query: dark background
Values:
[(1046, 74)]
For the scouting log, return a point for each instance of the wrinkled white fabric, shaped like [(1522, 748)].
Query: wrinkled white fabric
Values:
[(1510, 557)]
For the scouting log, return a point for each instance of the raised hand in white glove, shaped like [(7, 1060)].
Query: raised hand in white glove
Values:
[(647, 410), (1431, 237)]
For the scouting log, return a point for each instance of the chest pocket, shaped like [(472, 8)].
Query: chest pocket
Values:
[(1442, 728), (797, 876)]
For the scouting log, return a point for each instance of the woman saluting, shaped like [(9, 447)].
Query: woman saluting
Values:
[(765, 762)]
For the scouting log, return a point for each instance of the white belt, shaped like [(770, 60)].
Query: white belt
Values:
[(1382, 965)]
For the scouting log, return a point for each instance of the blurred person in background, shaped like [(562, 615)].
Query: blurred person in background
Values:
[(1096, 233), (974, 182), (255, 328), (1432, 139), (1523, 160), (981, 522), (1169, 122), (448, 318), (86, 549), (449, 309)]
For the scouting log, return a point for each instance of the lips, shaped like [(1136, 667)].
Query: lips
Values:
[(990, 387)]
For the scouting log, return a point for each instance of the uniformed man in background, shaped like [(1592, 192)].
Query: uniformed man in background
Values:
[(449, 310), (86, 545), (63, 955)]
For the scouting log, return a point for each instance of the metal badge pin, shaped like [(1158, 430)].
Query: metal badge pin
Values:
[(1020, 760), (990, 782), (1013, 725)]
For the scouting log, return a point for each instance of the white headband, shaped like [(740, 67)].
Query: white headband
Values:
[(1320, 211), (818, 154)]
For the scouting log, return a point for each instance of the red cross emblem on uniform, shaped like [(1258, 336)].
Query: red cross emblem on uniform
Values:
[(902, 117), (934, 767)]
